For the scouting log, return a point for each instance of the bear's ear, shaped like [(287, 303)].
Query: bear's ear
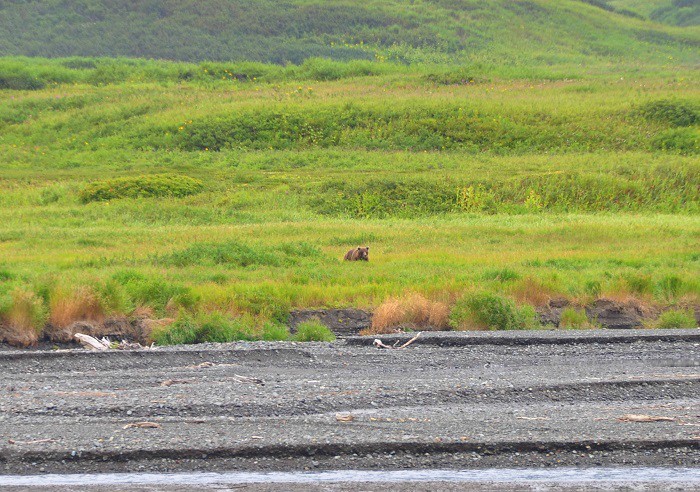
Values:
[(367, 248)]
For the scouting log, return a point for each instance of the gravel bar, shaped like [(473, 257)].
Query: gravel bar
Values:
[(465, 400)]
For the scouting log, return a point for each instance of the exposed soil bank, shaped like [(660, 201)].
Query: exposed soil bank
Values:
[(346, 406)]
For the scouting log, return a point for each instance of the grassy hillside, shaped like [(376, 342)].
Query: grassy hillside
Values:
[(134, 188), (674, 12), (467, 31)]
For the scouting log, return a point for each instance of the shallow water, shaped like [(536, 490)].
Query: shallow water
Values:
[(496, 475)]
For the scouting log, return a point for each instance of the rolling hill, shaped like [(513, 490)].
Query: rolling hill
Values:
[(433, 31)]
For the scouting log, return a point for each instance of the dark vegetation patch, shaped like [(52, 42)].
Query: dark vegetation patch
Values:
[(152, 186), (666, 189), (236, 254), (673, 112), (423, 126), (678, 12)]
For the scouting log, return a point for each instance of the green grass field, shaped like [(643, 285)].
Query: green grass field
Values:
[(225, 194)]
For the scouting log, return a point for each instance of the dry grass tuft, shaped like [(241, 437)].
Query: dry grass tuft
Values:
[(533, 292), (414, 311), (70, 306), (143, 312)]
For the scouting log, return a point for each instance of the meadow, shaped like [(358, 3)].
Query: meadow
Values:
[(226, 194)]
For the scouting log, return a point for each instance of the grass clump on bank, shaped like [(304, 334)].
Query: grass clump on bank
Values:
[(575, 319), (414, 312), (209, 327), (313, 331), (675, 318), (485, 311)]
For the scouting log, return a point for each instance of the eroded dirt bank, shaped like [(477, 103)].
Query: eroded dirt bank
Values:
[(551, 400)]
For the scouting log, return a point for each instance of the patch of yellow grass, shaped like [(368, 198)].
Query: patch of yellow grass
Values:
[(414, 311), (67, 307), (532, 291)]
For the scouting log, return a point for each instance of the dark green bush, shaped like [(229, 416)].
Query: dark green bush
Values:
[(675, 113), (20, 80), (384, 198), (152, 186), (676, 318), (492, 312), (6, 275)]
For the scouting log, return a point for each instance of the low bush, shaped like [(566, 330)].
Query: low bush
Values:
[(676, 319), (313, 331), (153, 186), (210, 327), (572, 318), (274, 332), (491, 312)]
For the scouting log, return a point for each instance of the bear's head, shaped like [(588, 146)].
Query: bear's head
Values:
[(363, 253)]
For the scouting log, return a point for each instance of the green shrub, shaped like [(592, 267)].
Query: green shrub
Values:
[(25, 313), (6, 275), (313, 331), (670, 287), (153, 186), (210, 327), (573, 318), (217, 327), (676, 319), (491, 312), (274, 332)]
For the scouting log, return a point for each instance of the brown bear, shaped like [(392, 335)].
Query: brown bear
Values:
[(358, 254)]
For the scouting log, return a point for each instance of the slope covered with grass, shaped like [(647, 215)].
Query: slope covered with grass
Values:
[(175, 190), (496, 32), (675, 12), (509, 152)]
